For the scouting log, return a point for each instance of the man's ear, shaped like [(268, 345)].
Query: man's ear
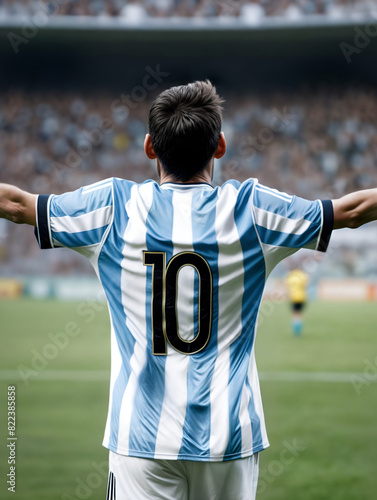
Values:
[(148, 148), (221, 148)]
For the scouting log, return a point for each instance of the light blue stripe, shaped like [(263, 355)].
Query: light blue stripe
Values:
[(305, 209), (240, 350), (280, 239), (201, 365), (271, 203), (80, 202), (150, 396), (110, 271), (81, 239)]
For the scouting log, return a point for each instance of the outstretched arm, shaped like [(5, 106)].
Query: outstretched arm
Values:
[(355, 209), (16, 205)]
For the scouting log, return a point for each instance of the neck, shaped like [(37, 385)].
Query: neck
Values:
[(205, 176)]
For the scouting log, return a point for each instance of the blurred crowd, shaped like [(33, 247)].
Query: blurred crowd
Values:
[(316, 143), (139, 10)]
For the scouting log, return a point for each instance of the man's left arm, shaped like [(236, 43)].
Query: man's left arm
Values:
[(17, 206), (355, 209)]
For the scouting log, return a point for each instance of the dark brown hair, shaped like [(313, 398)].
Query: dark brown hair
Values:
[(185, 126)]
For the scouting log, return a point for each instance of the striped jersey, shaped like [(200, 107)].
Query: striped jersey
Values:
[(183, 267)]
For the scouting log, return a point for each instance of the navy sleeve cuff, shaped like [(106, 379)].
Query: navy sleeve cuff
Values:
[(42, 231), (327, 225)]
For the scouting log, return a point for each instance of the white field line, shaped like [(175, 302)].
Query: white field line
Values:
[(343, 377), (59, 375), (104, 376)]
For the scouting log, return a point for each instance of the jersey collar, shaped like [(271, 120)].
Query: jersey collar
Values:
[(185, 186)]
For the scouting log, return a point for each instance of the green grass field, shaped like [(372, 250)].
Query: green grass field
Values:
[(323, 434)]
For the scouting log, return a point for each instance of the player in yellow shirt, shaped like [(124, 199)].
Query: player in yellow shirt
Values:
[(297, 283)]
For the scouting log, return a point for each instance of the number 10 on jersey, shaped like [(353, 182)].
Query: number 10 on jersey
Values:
[(165, 326)]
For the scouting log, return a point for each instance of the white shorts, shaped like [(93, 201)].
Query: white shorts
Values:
[(145, 479)]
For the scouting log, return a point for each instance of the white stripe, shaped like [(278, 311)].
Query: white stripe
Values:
[(49, 220), (321, 231), (97, 185), (104, 376), (230, 314), (276, 222), (246, 434), (275, 193), (185, 302), (170, 429), (92, 220), (97, 188), (254, 383), (133, 281)]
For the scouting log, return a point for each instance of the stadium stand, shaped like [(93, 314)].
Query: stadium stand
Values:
[(313, 144), (138, 10), (58, 133), (329, 135)]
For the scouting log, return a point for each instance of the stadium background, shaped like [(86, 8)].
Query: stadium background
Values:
[(299, 80)]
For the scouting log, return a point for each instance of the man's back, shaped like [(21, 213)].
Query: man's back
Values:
[(184, 267), (182, 249)]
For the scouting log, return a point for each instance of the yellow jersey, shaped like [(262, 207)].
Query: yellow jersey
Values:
[(297, 282)]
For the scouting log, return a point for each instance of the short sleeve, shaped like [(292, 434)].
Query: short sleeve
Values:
[(78, 220), (287, 223)]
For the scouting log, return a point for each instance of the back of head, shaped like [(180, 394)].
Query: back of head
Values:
[(185, 126)]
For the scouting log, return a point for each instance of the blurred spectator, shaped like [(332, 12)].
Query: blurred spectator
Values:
[(134, 11), (252, 12)]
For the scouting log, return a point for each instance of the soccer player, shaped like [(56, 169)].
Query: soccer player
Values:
[(297, 282), (183, 265)]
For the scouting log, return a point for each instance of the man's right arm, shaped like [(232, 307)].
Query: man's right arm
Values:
[(17, 206)]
